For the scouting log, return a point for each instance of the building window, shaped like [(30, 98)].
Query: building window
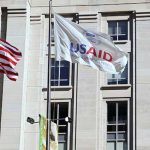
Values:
[(118, 30), (117, 113), (60, 73), (118, 78), (59, 111)]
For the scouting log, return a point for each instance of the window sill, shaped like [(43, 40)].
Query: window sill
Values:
[(116, 87), (58, 88)]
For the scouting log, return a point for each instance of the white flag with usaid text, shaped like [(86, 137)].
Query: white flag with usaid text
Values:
[(78, 45)]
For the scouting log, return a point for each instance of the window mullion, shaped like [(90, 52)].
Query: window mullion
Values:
[(70, 73), (58, 114), (59, 73), (117, 30)]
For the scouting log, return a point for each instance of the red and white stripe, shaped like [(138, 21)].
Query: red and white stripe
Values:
[(9, 56), (13, 50), (10, 72)]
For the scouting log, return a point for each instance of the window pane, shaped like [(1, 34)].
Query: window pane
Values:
[(64, 73), (122, 127), (122, 136), (62, 137), (124, 76), (122, 37), (64, 83), (114, 37), (122, 30), (111, 116), (54, 73), (54, 76), (62, 128), (112, 81), (122, 81), (121, 146), (122, 27), (112, 27), (111, 128), (122, 112), (62, 146), (111, 136), (64, 76), (64, 63), (63, 112), (54, 83), (111, 146), (54, 63), (54, 111)]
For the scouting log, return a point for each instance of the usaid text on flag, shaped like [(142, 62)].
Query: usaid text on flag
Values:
[(82, 48)]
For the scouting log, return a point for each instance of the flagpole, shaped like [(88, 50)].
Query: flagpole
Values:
[(48, 115)]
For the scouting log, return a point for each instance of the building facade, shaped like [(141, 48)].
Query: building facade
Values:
[(109, 112)]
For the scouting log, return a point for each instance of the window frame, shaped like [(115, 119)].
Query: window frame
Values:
[(117, 19), (70, 75), (117, 34), (128, 122), (68, 124), (128, 79)]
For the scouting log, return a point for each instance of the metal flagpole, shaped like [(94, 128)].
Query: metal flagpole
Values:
[(48, 115)]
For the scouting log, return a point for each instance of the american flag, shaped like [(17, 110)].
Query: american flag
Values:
[(9, 56)]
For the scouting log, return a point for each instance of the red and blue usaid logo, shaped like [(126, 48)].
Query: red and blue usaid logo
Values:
[(82, 49)]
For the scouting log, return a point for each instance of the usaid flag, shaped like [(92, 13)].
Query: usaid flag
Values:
[(78, 45)]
